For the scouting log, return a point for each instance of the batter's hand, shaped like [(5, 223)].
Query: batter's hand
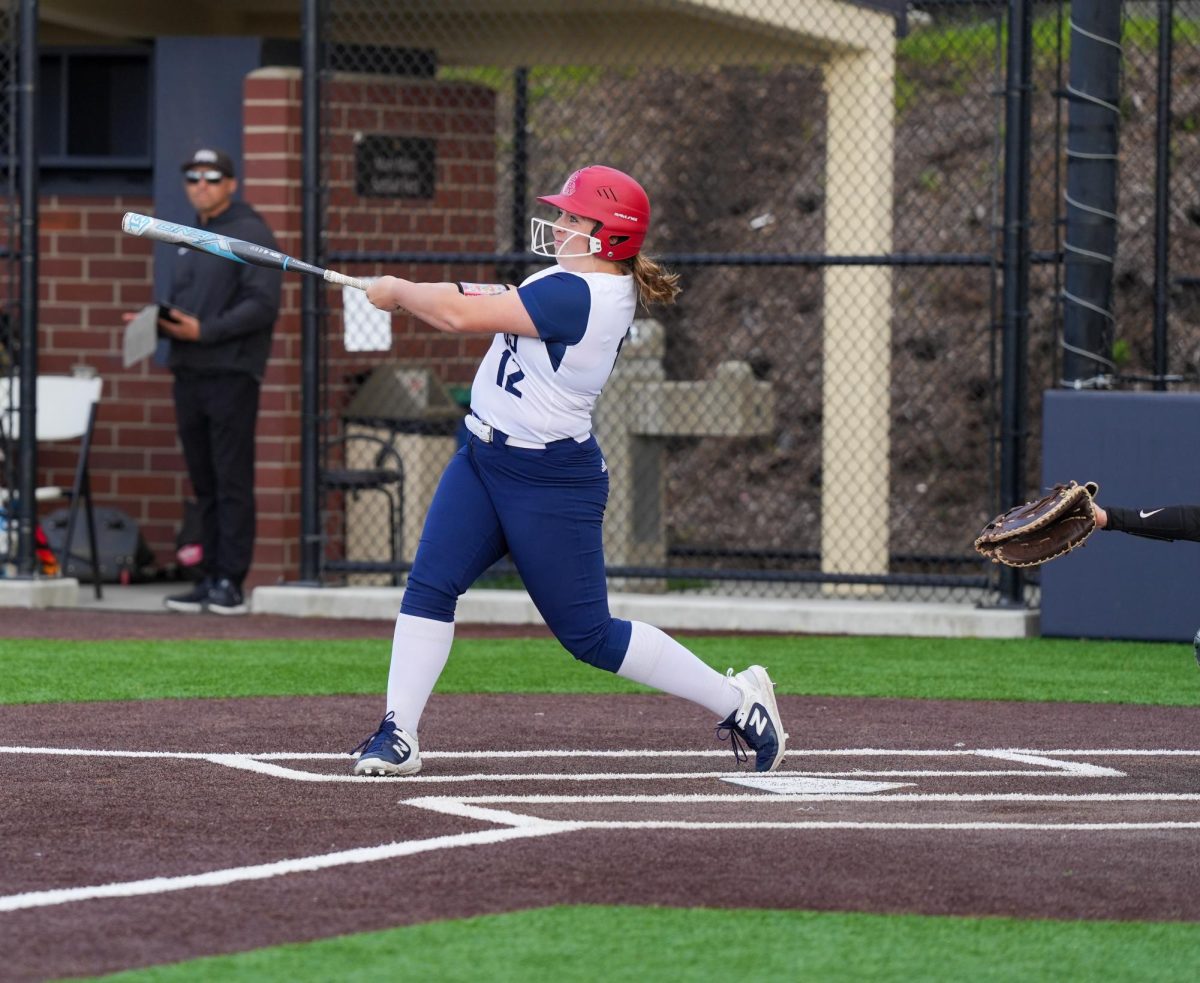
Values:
[(382, 293)]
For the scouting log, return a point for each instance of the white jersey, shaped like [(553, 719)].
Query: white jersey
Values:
[(543, 389)]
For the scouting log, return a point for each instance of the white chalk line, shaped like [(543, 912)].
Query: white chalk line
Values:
[(473, 809), (527, 827), (643, 753), (883, 826), (1077, 768), (262, 764), (784, 797), (299, 775)]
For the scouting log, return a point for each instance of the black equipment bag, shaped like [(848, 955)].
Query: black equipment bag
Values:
[(124, 555)]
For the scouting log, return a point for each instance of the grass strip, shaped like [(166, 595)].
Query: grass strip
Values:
[(43, 670), (592, 943)]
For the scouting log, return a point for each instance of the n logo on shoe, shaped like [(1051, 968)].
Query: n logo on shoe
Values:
[(758, 720), (402, 749)]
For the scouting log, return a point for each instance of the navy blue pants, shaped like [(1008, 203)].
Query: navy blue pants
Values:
[(546, 508)]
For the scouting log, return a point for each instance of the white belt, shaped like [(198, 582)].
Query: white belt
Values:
[(489, 434)]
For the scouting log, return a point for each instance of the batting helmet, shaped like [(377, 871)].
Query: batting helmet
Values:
[(613, 199)]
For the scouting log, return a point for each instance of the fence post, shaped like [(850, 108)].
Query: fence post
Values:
[(1015, 315), (520, 168), (26, 512), (1162, 193), (310, 210)]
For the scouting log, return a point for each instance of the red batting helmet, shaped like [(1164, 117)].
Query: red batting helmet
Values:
[(613, 199)]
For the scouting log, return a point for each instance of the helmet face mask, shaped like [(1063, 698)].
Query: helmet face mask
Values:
[(612, 198), (542, 242)]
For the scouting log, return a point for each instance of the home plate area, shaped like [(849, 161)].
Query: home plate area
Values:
[(979, 788)]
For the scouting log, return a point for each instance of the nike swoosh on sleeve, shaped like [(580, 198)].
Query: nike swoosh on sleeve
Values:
[(1146, 515)]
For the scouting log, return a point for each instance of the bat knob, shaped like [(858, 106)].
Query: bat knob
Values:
[(135, 224)]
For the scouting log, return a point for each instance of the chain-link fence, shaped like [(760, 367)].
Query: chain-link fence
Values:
[(818, 414), (806, 415), (1140, 314)]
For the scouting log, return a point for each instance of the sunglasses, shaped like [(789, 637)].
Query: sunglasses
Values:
[(212, 177)]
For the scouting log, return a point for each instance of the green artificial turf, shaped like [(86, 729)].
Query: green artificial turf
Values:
[(586, 943), (40, 670)]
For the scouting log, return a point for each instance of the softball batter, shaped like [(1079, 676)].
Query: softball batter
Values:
[(531, 480)]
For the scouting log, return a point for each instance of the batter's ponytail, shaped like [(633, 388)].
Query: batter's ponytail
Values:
[(654, 284)]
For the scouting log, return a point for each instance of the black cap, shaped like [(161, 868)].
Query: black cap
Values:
[(208, 158)]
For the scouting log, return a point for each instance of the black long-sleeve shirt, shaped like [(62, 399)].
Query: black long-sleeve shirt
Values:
[(1162, 522), (236, 303)]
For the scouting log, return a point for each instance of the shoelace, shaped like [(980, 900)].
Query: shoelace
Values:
[(382, 735), (741, 752)]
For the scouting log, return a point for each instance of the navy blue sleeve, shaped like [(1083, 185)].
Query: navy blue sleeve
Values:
[(559, 306)]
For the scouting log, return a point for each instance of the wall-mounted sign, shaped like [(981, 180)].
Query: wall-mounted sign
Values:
[(394, 167)]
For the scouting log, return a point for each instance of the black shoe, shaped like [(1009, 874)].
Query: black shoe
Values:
[(225, 597), (194, 601)]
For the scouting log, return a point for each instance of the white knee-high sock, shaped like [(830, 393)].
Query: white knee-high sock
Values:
[(420, 648), (655, 659)]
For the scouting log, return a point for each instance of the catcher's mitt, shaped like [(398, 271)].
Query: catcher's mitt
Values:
[(1039, 531)]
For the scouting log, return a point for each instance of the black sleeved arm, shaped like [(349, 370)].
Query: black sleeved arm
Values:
[(1169, 522), (255, 307)]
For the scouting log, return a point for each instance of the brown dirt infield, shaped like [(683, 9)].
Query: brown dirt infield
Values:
[(1043, 849)]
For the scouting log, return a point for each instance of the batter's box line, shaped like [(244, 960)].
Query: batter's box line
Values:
[(475, 808), (805, 797), (1013, 753), (263, 763), (523, 829)]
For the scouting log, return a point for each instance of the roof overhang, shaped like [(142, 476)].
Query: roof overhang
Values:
[(497, 32)]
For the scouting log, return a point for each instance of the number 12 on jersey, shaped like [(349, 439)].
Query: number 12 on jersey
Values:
[(507, 380)]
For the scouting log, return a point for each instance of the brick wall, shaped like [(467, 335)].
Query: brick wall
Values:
[(91, 273), (460, 217)]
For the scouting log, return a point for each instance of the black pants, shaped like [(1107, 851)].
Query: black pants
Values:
[(216, 416)]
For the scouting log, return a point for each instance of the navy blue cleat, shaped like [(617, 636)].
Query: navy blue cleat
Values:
[(755, 724), (388, 752)]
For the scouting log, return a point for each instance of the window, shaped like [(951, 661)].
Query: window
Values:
[(95, 112)]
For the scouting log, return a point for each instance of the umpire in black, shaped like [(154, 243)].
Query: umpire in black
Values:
[(222, 318)]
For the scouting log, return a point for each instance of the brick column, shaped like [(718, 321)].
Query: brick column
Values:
[(460, 216), (271, 183)]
